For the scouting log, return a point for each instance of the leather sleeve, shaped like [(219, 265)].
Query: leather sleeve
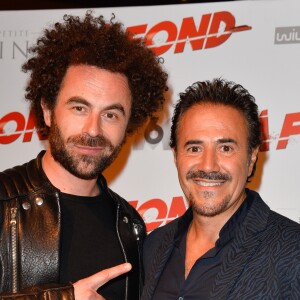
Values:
[(45, 292)]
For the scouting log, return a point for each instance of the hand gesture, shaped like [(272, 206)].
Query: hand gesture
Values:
[(86, 289)]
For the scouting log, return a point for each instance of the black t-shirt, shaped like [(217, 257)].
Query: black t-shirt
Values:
[(89, 241)]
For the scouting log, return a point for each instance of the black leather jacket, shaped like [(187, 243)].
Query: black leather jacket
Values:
[(30, 236)]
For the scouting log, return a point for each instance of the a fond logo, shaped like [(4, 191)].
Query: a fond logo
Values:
[(14, 125), (287, 35), (211, 30), (289, 130), (164, 213)]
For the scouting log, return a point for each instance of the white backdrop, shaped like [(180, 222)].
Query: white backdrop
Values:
[(254, 43)]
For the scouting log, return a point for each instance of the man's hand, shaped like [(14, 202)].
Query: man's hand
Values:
[(86, 289)]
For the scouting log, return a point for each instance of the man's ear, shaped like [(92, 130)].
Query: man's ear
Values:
[(253, 159), (46, 113), (174, 156)]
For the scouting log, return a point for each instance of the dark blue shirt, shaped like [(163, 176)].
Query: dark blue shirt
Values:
[(173, 285)]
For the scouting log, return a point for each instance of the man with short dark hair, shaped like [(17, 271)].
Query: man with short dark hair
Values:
[(229, 244), (91, 84)]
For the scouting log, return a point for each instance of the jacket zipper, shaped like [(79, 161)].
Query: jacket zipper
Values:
[(137, 233), (14, 248), (122, 247)]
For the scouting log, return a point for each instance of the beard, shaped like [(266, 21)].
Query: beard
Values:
[(80, 165), (209, 208)]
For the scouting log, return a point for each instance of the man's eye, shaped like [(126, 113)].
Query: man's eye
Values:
[(226, 148), (193, 149), (110, 115), (78, 108)]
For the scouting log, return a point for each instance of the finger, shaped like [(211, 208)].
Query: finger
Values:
[(102, 277)]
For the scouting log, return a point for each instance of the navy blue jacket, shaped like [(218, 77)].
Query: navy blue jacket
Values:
[(263, 262)]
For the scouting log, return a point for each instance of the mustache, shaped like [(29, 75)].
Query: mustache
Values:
[(89, 141), (200, 174)]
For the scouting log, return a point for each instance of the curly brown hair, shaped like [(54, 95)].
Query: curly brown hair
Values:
[(93, 41)]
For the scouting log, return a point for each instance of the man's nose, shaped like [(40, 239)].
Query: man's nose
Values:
[(209, 161), (92, 125)]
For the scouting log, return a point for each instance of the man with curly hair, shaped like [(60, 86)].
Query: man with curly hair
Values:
[(64, 233)]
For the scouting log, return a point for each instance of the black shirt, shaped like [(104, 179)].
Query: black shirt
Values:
[(89, 241), (198, 284)]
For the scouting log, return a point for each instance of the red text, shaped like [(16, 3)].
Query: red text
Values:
[(211, 31), (164, 214)]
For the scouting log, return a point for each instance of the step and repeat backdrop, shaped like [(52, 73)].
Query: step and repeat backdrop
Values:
[(254, 43)]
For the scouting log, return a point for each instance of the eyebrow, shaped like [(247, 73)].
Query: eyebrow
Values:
[(193, 142), (79, 100), (227, 140), (219, 141)]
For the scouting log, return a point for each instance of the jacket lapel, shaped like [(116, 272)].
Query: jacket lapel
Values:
[(163, 253), (248, 238)]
